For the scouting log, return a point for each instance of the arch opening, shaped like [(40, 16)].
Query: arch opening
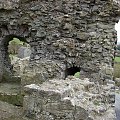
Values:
[(14, 50), (15, 57)]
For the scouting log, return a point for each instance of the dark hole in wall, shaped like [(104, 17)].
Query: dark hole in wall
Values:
[(71, 71)]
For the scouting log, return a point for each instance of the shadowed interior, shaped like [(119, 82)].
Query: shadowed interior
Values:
[(71, 71)]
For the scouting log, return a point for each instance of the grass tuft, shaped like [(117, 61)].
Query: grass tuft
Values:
[(77, 74)]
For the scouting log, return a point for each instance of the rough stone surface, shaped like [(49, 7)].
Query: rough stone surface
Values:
[(117, 103), (71, 33), (70, 99), (117, 81), (19, 65), (8, 110), (62, 34), (24, 52), (117, 53)]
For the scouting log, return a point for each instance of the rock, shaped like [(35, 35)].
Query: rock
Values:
[(117, 104), (24, 52), (41, 33), (9, 4), (117, 81), (19, 65), (66, 97), (82, 36), (109, 71), (67, 26), (99, 50), (7, 111)]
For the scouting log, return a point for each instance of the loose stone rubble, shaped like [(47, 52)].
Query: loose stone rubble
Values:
[(69, 99)]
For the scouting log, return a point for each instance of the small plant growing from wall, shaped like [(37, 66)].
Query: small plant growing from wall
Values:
[(14, 46), (77, 74)]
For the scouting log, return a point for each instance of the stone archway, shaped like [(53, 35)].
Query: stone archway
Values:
[(8, 79), (7, 34)]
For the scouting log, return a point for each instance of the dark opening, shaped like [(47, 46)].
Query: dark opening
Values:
[(71, 71)]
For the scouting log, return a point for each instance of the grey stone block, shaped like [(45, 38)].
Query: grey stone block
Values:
[(24, 52)]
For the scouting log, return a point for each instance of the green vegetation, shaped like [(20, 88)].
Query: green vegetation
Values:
[(16, 41), (117, 59), (14, 45), (117, 70), (77, 74), (11, 56), (117, 67), (16, 99)]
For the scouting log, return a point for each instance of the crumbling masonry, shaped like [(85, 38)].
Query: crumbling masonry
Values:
[(65, 36)]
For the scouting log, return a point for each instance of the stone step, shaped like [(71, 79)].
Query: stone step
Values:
[(11, 93)]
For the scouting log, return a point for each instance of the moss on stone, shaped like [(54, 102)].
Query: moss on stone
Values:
[(77, 74), (15, 99)]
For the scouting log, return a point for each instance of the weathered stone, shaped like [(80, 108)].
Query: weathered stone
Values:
[(99, 50), (117, 81), (82, 36), (19, 65), (67, 99), (9, 4), (109, 71), (24, 52), (62, 34)]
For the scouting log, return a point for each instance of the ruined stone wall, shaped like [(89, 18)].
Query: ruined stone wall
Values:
[(74, 33), (62, 34), (65, 33)]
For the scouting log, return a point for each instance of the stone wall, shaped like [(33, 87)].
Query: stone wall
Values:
[(70, 33), (62, 34)]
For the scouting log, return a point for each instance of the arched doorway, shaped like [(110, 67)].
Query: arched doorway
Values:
[(11, 48), (19, 54), (11, 82)]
